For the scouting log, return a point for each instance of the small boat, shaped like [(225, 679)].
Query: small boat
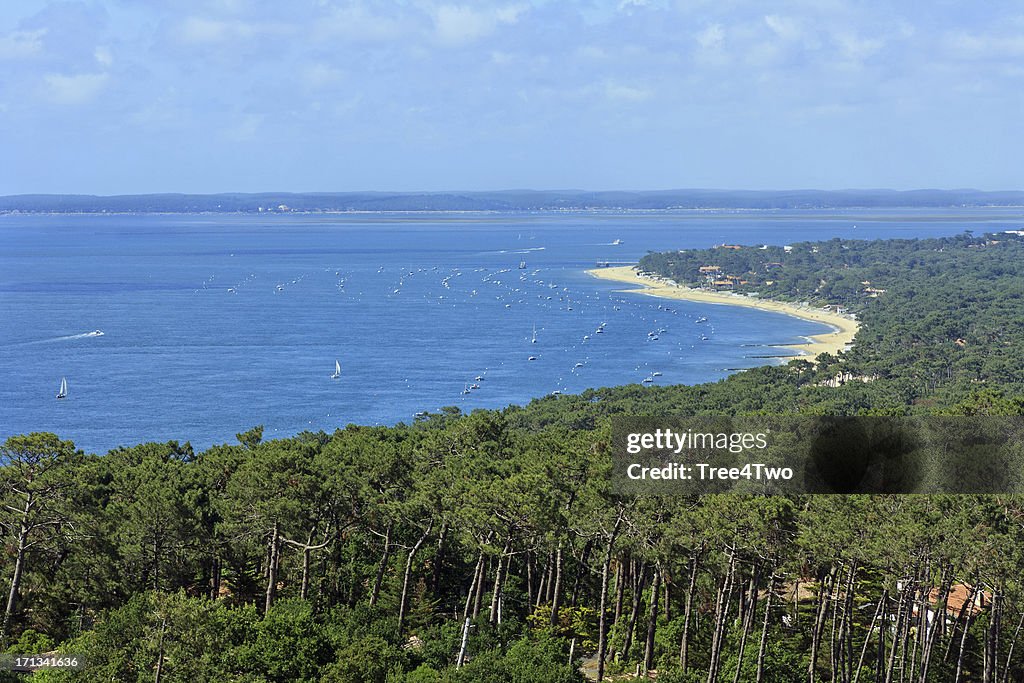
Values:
[(94, 333), (474, 385), (522, 265), (63, 391), (465, 389), (616, 242), (655, 374), (701, 319), (532, 358), (534, 339), (337, 370)]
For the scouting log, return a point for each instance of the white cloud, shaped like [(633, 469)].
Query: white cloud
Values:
[(625, 93), (856, 48), (202, 30), (76, 89), (103, 56), (784, 27), (354, 22), (196, 29), (712, 37), (320, 75), (461, 24), (21, 44)]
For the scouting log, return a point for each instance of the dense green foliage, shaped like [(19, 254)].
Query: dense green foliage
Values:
[(941, 317), (363, 555)]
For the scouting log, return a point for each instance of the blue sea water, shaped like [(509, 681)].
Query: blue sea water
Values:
[(215, 323)]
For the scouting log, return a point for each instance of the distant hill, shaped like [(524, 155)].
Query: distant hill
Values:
[(505, 200)]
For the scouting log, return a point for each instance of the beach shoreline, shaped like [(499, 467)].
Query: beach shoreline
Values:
[(844, 328)]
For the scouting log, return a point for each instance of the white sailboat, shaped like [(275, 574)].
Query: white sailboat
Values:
[(337, 370), (534, 339), (63, 392)]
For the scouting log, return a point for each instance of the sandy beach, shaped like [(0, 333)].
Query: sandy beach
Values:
[(831, 342)]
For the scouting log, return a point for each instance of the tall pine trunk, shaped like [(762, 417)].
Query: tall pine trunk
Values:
[(472, 585), (556, 593), (403, 601), (721, 616), (602, 619), (684, 642), (747, 620), (867, 639), (634, 612), (821, 613), (381, 567), (620, 584), (272, 563), (479, 595), (435, 574), (897, 631), (19, 567), (1009, 650), (763, 645), (499, 575), (652, 623), (936, 624)]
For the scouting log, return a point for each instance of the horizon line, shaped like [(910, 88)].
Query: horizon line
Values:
[(511, 189)]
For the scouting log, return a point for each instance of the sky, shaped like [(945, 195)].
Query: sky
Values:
[(136, 96)]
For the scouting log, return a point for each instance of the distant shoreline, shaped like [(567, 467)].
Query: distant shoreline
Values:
[(830, 342), (514, 200)]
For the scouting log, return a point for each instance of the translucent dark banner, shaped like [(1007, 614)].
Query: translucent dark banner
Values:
[(776, 455)]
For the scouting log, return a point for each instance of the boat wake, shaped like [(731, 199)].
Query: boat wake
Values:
[(516, 251), (68, 337)]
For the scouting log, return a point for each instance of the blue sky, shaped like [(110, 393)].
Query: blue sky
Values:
[(129, 96)]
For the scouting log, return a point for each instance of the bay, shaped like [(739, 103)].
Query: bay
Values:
[(214, 323)]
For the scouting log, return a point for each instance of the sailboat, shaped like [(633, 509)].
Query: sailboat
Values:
[(337, 370), (63, 392), (534, 339)]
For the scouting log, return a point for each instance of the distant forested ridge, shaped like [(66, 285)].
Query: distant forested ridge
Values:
[(504, 200), (360, 555)]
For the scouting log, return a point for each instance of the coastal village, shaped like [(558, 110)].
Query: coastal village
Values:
[(717, 278)]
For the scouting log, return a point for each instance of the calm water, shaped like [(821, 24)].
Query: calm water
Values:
[(213, 324)]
